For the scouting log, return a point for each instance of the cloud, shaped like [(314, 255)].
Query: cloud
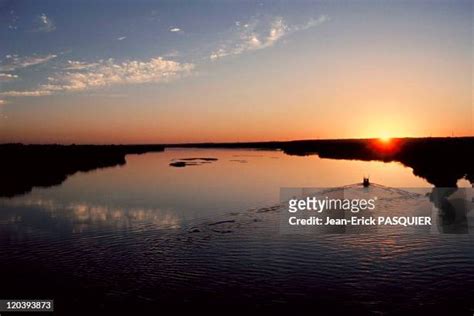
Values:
[(79, 65), (107, 95), (44, 24), (175, 29), (13, 62), (313, 22), (252, 36), (80, 76), (257, 35), (2, 102), (30, 93), (109, 72), (121, 38), (7, 77)]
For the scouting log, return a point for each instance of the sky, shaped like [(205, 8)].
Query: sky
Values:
[(194, 71)]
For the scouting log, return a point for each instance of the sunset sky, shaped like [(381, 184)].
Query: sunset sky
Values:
[(192, 71)]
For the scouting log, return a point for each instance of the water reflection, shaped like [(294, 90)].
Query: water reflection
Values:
[(98, 242), (82, 216), (147, 190), (146, 184), (453, 206)]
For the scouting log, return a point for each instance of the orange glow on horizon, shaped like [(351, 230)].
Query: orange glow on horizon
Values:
[(386, 145)]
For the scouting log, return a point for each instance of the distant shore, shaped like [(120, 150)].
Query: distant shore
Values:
[(441, 161)]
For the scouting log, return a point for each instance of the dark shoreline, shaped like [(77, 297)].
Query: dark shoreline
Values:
[(441, 161), (26, 166)]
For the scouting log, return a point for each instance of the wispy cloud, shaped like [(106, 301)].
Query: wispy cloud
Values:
[(28, 93), (257, 35), (7, 77), (109, 72), (13, 62), (2, 102), (107, 95), (314, 22), (79, 76), (43, 23), (79, 65), (175, 29), (121, 38)]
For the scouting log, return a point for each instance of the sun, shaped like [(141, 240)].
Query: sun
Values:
[(386, 144), (385, 138)]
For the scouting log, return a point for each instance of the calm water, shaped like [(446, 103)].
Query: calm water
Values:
[(153, 237)]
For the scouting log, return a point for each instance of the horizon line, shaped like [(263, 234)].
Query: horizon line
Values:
[(231, 142)]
